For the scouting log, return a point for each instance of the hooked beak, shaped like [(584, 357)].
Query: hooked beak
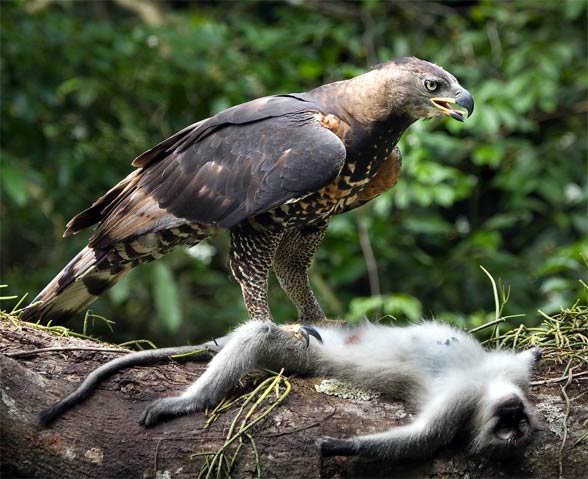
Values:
[(462, 98)]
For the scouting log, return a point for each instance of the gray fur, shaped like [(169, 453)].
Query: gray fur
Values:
[(457, 388), (150, 356)]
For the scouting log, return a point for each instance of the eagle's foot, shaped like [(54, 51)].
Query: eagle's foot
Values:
[(302, 332), (313, 315)]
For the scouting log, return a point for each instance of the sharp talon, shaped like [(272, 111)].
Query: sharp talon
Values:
[(302, 331), (309, 330)]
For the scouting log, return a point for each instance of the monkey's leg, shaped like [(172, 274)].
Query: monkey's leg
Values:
[(435, 426), (291, 262), (250, 262), (255, 344)]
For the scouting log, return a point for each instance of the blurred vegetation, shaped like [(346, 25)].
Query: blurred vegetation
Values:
[(87, 86)]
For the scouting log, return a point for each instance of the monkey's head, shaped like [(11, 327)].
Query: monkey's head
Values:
[(514, 421), (505, 420), (504, 425)]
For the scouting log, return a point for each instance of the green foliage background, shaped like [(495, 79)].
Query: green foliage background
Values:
[(87, 86)]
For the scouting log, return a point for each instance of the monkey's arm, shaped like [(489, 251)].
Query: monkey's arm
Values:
[(254, 344), (435, 426), (151, 356)]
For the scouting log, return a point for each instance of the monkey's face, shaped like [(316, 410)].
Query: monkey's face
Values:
[(513, 422), (504, 424)]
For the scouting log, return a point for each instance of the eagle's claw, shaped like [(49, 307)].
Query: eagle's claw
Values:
[(306, 331), (303, 332)]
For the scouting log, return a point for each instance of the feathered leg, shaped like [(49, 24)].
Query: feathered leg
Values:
[(291, 262), (250, 262)]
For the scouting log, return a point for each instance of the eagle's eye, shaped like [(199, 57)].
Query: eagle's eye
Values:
[(431, 85)]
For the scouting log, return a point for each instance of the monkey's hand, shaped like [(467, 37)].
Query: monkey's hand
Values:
[(167, 408), (255, 344)]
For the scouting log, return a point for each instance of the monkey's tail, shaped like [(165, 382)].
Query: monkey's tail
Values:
[(81, 282), (151, 356)]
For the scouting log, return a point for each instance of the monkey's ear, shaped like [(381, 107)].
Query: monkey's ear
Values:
[(532, 355), (537, 353)]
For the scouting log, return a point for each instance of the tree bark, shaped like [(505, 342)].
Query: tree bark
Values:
[(101, 438)]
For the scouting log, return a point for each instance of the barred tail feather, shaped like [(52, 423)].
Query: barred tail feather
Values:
[(77, 285), (97, 268)]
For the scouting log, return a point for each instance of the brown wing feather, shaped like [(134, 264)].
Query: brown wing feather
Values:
[(253, 168), (95, 213), (242, 162)]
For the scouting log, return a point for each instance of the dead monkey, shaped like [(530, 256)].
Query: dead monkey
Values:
[(456, 387)]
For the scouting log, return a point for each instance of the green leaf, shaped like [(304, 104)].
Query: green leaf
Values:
[(15, 184), (392, 305), (428, 224), (490, 154), (166, 297)]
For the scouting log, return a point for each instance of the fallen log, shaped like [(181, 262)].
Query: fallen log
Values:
[(101, 438)]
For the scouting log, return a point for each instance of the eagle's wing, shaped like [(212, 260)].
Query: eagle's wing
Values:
[(244, 161)]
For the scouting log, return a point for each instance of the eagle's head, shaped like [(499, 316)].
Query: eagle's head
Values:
[(419, 89)]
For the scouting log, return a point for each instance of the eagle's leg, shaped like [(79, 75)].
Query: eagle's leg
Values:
[(291, 262), (250, 262)]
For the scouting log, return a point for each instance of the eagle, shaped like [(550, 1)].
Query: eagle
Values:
[(271, 171)]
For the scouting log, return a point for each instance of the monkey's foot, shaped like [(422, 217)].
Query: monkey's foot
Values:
[(167, 408), (331, 446), (302, 332)]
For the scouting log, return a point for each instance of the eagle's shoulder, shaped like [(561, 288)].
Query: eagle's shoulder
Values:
[(249, 112)]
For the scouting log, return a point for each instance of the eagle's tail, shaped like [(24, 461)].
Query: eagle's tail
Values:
[(97, 268), (81, 282)]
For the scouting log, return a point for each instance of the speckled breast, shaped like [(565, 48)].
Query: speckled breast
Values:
[(366, 151)]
